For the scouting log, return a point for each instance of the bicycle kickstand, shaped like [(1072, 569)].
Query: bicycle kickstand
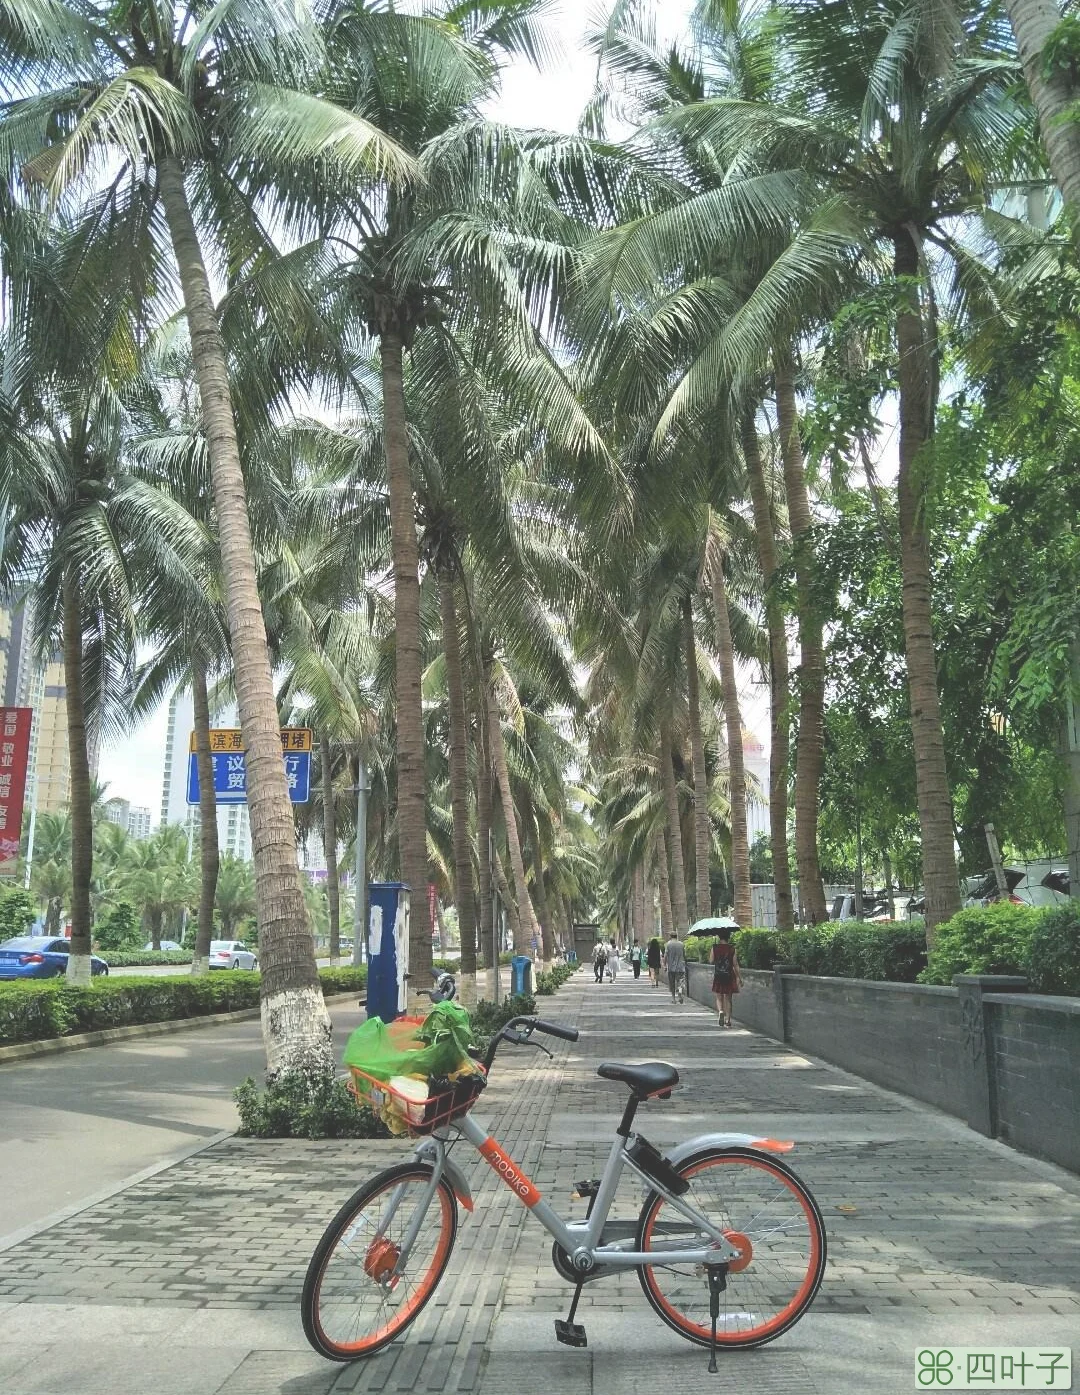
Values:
[(569, 1332), (717, 1284)]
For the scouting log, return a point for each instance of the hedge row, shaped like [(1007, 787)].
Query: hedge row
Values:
[(142, 959), (1042, 944), (1003, 938), (879, 950), (51, 1008)]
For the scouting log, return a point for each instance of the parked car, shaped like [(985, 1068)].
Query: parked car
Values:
[(34, 956), (166, 946), (232, 954)]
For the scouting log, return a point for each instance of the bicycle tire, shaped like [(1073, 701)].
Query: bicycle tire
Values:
[(732, 1333), (367, 1266)]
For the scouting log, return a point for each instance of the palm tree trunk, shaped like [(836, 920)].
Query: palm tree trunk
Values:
[(81, 803), (702, 823), (525, 927), (543, 914), (917, 403), (667, 918), (648, 904), (637, 903), (296, 1025), (484, 815), (810, 748), (1054, 94), (740, 840), (209, 857), (779, 694), (459, 787), (411, 805), (673, 835), (333, 887)]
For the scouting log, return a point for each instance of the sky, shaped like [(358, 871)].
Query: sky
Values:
[(553, 100)]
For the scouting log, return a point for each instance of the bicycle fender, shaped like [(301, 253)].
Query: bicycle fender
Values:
[(454, 1175), (726, 1140)]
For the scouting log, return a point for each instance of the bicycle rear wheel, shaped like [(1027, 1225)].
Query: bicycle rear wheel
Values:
[(353, 1303), (765, 1211)]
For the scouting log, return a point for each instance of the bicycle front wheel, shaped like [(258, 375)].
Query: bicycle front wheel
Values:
[(358, 1296), (764, 1210)]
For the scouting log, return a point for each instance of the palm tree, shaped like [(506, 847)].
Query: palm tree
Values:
[(717, 550), (882, 135), (1053, 87), (208, 92), (416, 257), (810, 747), (236, 900)]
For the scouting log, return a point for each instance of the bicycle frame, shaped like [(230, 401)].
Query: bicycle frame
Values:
[(580, 1239)]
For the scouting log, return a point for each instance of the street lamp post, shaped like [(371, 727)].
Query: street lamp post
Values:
[(359, 951)]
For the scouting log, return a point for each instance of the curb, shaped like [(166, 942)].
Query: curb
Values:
[(50, 1046), (16, 1237)]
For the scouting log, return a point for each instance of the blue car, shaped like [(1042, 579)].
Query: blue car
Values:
[(35, 956)]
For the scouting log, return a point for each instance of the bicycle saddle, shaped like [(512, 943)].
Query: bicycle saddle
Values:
[(648, 1078)]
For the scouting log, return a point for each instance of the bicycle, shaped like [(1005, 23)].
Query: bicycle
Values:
[(729, 1244)]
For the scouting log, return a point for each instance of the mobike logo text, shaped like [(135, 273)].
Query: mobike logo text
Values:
[(509, 1171)]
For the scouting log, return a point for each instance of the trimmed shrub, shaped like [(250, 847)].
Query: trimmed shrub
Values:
[(51, 1008), (295, 1106), (142, 959), (757, 949), (546, 984), (982, 940), (343, 980), (1052, 961)]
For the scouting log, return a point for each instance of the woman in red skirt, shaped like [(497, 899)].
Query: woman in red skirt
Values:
[(726, 981)]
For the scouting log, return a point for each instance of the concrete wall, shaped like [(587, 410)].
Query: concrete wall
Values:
[(1005, 1061)]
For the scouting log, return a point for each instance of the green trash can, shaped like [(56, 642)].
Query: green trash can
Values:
[(520, 974)]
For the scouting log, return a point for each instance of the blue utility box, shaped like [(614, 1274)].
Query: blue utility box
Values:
[(521, 974), (388, 949)]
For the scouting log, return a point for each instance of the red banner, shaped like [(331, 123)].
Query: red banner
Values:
[(14, 754)]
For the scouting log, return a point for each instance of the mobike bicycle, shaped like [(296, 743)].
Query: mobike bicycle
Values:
[(729, 1245)]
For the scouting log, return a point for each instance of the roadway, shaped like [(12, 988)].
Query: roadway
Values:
[(78, 1123)]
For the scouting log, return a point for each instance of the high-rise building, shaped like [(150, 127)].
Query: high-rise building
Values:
[(26, 681), (234, 830), (132, 818)]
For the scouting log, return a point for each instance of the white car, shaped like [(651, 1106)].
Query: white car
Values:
[(167, 947), (231, 954)]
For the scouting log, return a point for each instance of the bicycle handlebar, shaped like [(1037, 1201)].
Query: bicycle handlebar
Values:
[(554, 1029), (510, 1031)]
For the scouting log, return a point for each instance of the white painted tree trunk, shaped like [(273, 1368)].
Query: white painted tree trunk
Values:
[(466, 990), (298, 1035), (78, 969), (200, 964)]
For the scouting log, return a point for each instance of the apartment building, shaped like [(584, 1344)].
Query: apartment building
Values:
[(27, 682)]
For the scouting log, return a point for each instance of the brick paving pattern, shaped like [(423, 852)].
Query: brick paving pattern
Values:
[(923, 1218)]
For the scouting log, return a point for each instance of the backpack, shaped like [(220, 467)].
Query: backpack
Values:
[(723, 957)]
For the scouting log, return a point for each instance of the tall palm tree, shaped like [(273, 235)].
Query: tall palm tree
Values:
[(439, 249), (154, 96), (1054, 90)]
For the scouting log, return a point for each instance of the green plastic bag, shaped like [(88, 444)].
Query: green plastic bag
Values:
[(437, 1046)]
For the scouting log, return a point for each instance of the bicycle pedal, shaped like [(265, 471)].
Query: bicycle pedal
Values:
[(571, 1334)]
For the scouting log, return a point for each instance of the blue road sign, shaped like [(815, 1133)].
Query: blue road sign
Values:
[(230, 775)]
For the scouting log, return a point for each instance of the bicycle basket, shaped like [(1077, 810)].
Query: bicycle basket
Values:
[(447, 1100)]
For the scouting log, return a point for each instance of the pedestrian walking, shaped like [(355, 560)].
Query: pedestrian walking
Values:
[(675, 964), (635, 959), (613, 964), (726, 980), (599, 961), (654, 956)]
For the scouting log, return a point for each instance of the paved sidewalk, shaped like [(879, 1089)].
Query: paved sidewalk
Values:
[(188, 1281)]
